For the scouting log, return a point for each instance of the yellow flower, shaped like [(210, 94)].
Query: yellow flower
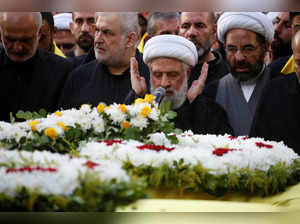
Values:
[(122, 108), (32, 124), (149, 98), (100, 108), (51, 133), (62, 125), (126, 124), (58, 113), (145, 111), (139, 100)]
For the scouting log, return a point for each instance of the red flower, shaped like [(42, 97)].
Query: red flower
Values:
[(31, 169), (231, 137), (260, 145), (91, 164), (111, 142), (245, 138), (156, 148), (222, 151)]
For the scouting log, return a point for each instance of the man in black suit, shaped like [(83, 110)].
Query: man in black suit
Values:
[(31, 78), (278, 114)]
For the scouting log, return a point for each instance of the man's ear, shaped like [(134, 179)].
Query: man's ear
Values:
[(71, 25), (55, 30), (215, 28), (131, 39)]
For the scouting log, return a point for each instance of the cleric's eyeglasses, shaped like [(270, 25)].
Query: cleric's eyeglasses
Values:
[(66, 46)]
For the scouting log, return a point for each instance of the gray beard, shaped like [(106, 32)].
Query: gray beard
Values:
[(178, 97)]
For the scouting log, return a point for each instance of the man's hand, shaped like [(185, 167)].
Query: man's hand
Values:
[(198, 85), (138, 82)]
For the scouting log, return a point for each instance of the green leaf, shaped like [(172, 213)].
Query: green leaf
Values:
[(43, 112), (173, 139), (20, 114), (11, 118), (132, 133), (171, 115)]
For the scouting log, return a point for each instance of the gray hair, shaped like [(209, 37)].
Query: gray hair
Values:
[(37, 18), (129, 21), (157, 16)]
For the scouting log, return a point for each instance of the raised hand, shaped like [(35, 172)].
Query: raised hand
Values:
[(138, 83), (198, 85)]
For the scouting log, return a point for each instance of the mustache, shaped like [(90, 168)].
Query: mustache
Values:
[(241, 64), (86, 35)]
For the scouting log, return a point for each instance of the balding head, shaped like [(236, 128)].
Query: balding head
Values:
[(20, 34), (34, 18)]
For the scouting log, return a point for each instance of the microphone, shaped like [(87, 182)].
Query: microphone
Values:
[(159, 94)]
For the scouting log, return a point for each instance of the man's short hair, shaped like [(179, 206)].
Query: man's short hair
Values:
[(128, 20), (157, 16)]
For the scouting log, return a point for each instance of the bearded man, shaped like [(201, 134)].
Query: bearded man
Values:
[(106, 79), (281, 45), (247, 37), (200, 28), (170, 58), (83, 30)]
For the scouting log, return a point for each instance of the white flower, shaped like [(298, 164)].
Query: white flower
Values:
[(139, 122), (115, 114), (98, 125)]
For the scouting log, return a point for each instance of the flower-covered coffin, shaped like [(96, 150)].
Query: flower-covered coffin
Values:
[(94, 159)]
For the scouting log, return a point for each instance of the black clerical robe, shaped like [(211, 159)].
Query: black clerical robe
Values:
[(31, 85), (278, 114), (217, 68), (203, 116), (93, 83)]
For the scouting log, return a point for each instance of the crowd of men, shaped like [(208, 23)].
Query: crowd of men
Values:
[(232, 72)]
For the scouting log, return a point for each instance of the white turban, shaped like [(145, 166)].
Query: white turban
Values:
[(62, 21), (171, 46), (253, 21)]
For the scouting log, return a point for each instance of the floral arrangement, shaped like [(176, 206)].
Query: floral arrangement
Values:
[(44, 181), (63, 130), (94, 159), (215, 164)]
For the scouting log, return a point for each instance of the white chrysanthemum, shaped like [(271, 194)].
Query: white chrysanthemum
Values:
[(139, 122), (159, 139), (85, 108), (154, 115), (98, 125), (115, 114), (14, 131)]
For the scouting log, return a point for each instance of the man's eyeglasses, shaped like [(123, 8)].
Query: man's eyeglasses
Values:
[(66, 46)]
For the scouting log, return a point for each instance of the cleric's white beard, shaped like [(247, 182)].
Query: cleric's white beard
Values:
[(178, 97)]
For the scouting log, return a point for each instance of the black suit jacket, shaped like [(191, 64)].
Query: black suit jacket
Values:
[(278, 113)]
